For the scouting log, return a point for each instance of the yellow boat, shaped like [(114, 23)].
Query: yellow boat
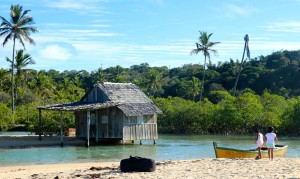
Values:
[(222, 152)]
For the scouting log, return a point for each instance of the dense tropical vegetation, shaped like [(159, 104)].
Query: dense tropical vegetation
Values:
[(268, 91), (268, 94)]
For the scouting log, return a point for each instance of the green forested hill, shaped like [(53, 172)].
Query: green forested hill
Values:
[(264, 81)]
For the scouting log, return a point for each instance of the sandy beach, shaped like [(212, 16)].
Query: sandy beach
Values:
[(201, 168)]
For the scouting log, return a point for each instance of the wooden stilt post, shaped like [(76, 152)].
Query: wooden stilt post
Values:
[(88, 128), (96, 120), (96, 123), (154, 142), (40, 123), (140, 142), (61, 131)]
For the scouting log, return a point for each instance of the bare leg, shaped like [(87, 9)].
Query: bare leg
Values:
[(272, 150), (259, 152), (269, 151)]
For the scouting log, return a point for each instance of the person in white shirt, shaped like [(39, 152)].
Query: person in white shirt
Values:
[(270, 139), (259, 142)]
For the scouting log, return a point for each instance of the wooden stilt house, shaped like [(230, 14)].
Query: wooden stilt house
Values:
[(112, 111)]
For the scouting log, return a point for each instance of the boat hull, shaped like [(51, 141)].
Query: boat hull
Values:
[(222, 152)]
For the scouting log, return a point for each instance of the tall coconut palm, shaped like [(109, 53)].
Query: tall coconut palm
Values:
[(204, 46), (21, 62), (246, 49), (18, 28)]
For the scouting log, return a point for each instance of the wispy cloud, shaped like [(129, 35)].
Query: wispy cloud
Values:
[(91, 7), (72, 5), (284, 26), (233, 10), (54, 52), (159, 2)]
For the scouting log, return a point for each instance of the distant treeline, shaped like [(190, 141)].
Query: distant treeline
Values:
[(267, 94), (229, 115)]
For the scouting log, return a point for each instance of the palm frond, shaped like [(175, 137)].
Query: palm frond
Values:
[(25, 21), (215, 52), (4, 32), (15, 13), (5, 22), (17, 36), (8, 37), (211, 44), (7, 59), (24, 13)]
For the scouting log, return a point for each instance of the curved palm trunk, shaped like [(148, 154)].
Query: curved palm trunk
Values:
[(239, 72), (203, 78), (12, 78)]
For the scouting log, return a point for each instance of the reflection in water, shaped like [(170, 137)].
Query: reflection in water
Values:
[(168, 147)]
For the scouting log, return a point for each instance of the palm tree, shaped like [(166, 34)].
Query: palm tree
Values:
[(246, 49), (195, 87), (204, 46), (22, 61), (18, 28), (99, 76), (154, 84)]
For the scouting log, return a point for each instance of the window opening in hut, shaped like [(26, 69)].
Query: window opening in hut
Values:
[(140, 119), (93, 119), (104, 120), (93, 124)]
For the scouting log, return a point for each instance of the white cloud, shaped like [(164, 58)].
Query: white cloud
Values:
[(235, 9), (89, 7), (55, 52), (284, 26), (70, 4), (159, 2), (232, 10)]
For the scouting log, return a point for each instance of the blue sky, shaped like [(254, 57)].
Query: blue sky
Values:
[(85, 34)]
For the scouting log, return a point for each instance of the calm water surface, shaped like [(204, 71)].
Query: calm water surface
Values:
[(168, 147)]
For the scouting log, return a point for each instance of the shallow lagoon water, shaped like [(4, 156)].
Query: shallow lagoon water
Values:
[(168, 147)]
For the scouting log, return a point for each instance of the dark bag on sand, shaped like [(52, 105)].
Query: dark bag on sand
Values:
[(137, 164)]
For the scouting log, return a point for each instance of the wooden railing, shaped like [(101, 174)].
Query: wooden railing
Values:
[(146, 131)]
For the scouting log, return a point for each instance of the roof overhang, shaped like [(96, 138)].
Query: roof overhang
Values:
[(129, 109), (79, 106)]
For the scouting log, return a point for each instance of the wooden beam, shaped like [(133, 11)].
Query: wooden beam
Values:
[(40, 123), (61, 131), (96, 123), (88, 120)]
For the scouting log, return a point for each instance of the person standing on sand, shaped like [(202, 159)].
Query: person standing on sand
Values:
[(259, 142), (270, 139)]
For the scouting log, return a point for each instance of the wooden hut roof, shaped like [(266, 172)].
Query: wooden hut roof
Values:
[(126, 96), (139, 109), (125, 92)]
